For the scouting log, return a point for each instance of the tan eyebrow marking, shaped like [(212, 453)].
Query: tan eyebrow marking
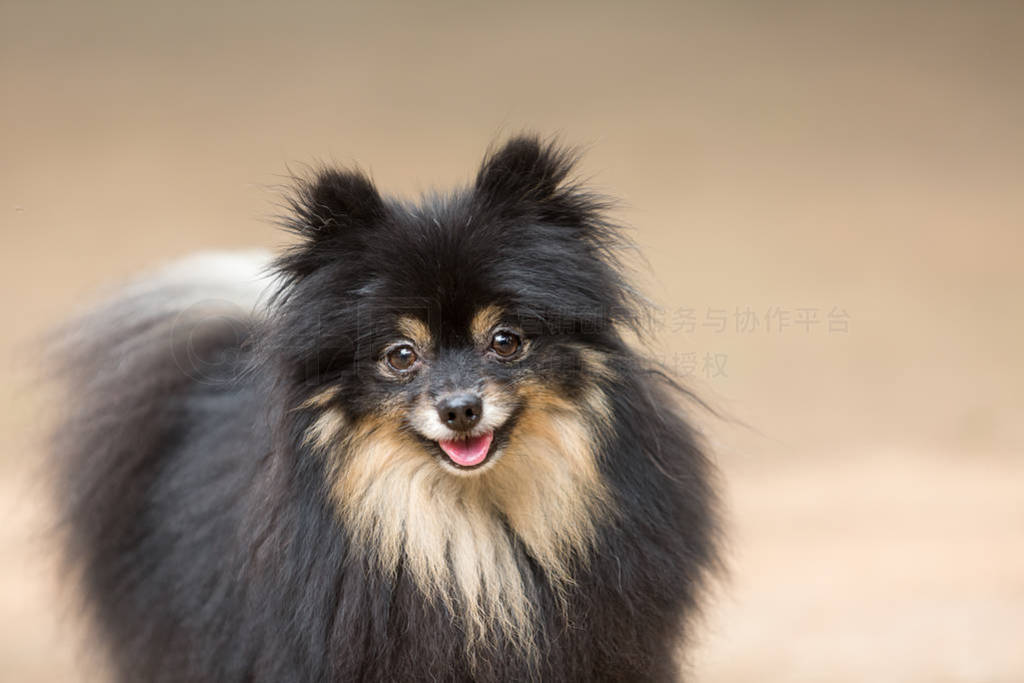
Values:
[(483, 322), (416, 330)]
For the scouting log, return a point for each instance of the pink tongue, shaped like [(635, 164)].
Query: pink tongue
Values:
[(468, 452)]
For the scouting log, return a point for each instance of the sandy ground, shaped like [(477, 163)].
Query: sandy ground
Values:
[(857, 166)]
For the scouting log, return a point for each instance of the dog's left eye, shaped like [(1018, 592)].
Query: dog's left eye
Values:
[(402, 357), (505, 344)]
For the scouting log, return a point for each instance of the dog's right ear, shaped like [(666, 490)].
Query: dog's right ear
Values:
[(525, 169), (332, 212)]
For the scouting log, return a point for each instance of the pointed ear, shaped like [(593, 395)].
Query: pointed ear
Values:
[(525, 169), (333, 202), (332, 211)]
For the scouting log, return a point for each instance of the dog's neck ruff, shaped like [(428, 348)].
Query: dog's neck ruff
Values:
[(464, 541)]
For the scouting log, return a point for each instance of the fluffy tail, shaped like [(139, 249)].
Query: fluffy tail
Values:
[(120, 329)]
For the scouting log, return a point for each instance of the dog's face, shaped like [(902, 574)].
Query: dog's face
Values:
[(456, 323), (460, 375), (458, 386)]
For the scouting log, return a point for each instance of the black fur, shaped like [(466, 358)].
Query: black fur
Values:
[(207, 544)]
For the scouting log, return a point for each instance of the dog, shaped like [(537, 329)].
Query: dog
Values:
[(420, 444)]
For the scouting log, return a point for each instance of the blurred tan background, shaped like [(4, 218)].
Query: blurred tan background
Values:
[(861, 161)]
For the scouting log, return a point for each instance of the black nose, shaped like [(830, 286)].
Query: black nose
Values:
[(461, 411)]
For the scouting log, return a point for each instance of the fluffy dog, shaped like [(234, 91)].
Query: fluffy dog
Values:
[(418, 445)]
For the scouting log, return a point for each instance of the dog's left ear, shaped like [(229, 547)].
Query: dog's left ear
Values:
[(528, 174)]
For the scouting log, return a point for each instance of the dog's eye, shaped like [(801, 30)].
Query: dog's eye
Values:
[(402, 357), (505, 344)]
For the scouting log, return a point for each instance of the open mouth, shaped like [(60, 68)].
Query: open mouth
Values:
[(469, 452)]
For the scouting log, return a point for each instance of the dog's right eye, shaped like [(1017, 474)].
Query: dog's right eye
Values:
[(402, 357), (505, 343)]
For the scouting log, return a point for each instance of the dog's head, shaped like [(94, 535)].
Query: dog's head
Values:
[(457, 322)]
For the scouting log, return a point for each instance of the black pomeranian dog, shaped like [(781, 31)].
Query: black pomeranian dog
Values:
[(421, 447)]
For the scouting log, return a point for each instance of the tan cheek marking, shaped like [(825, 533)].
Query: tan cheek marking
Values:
[(327, 429), (597, 365), (483, 322), (321, 398), (416, 330)]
